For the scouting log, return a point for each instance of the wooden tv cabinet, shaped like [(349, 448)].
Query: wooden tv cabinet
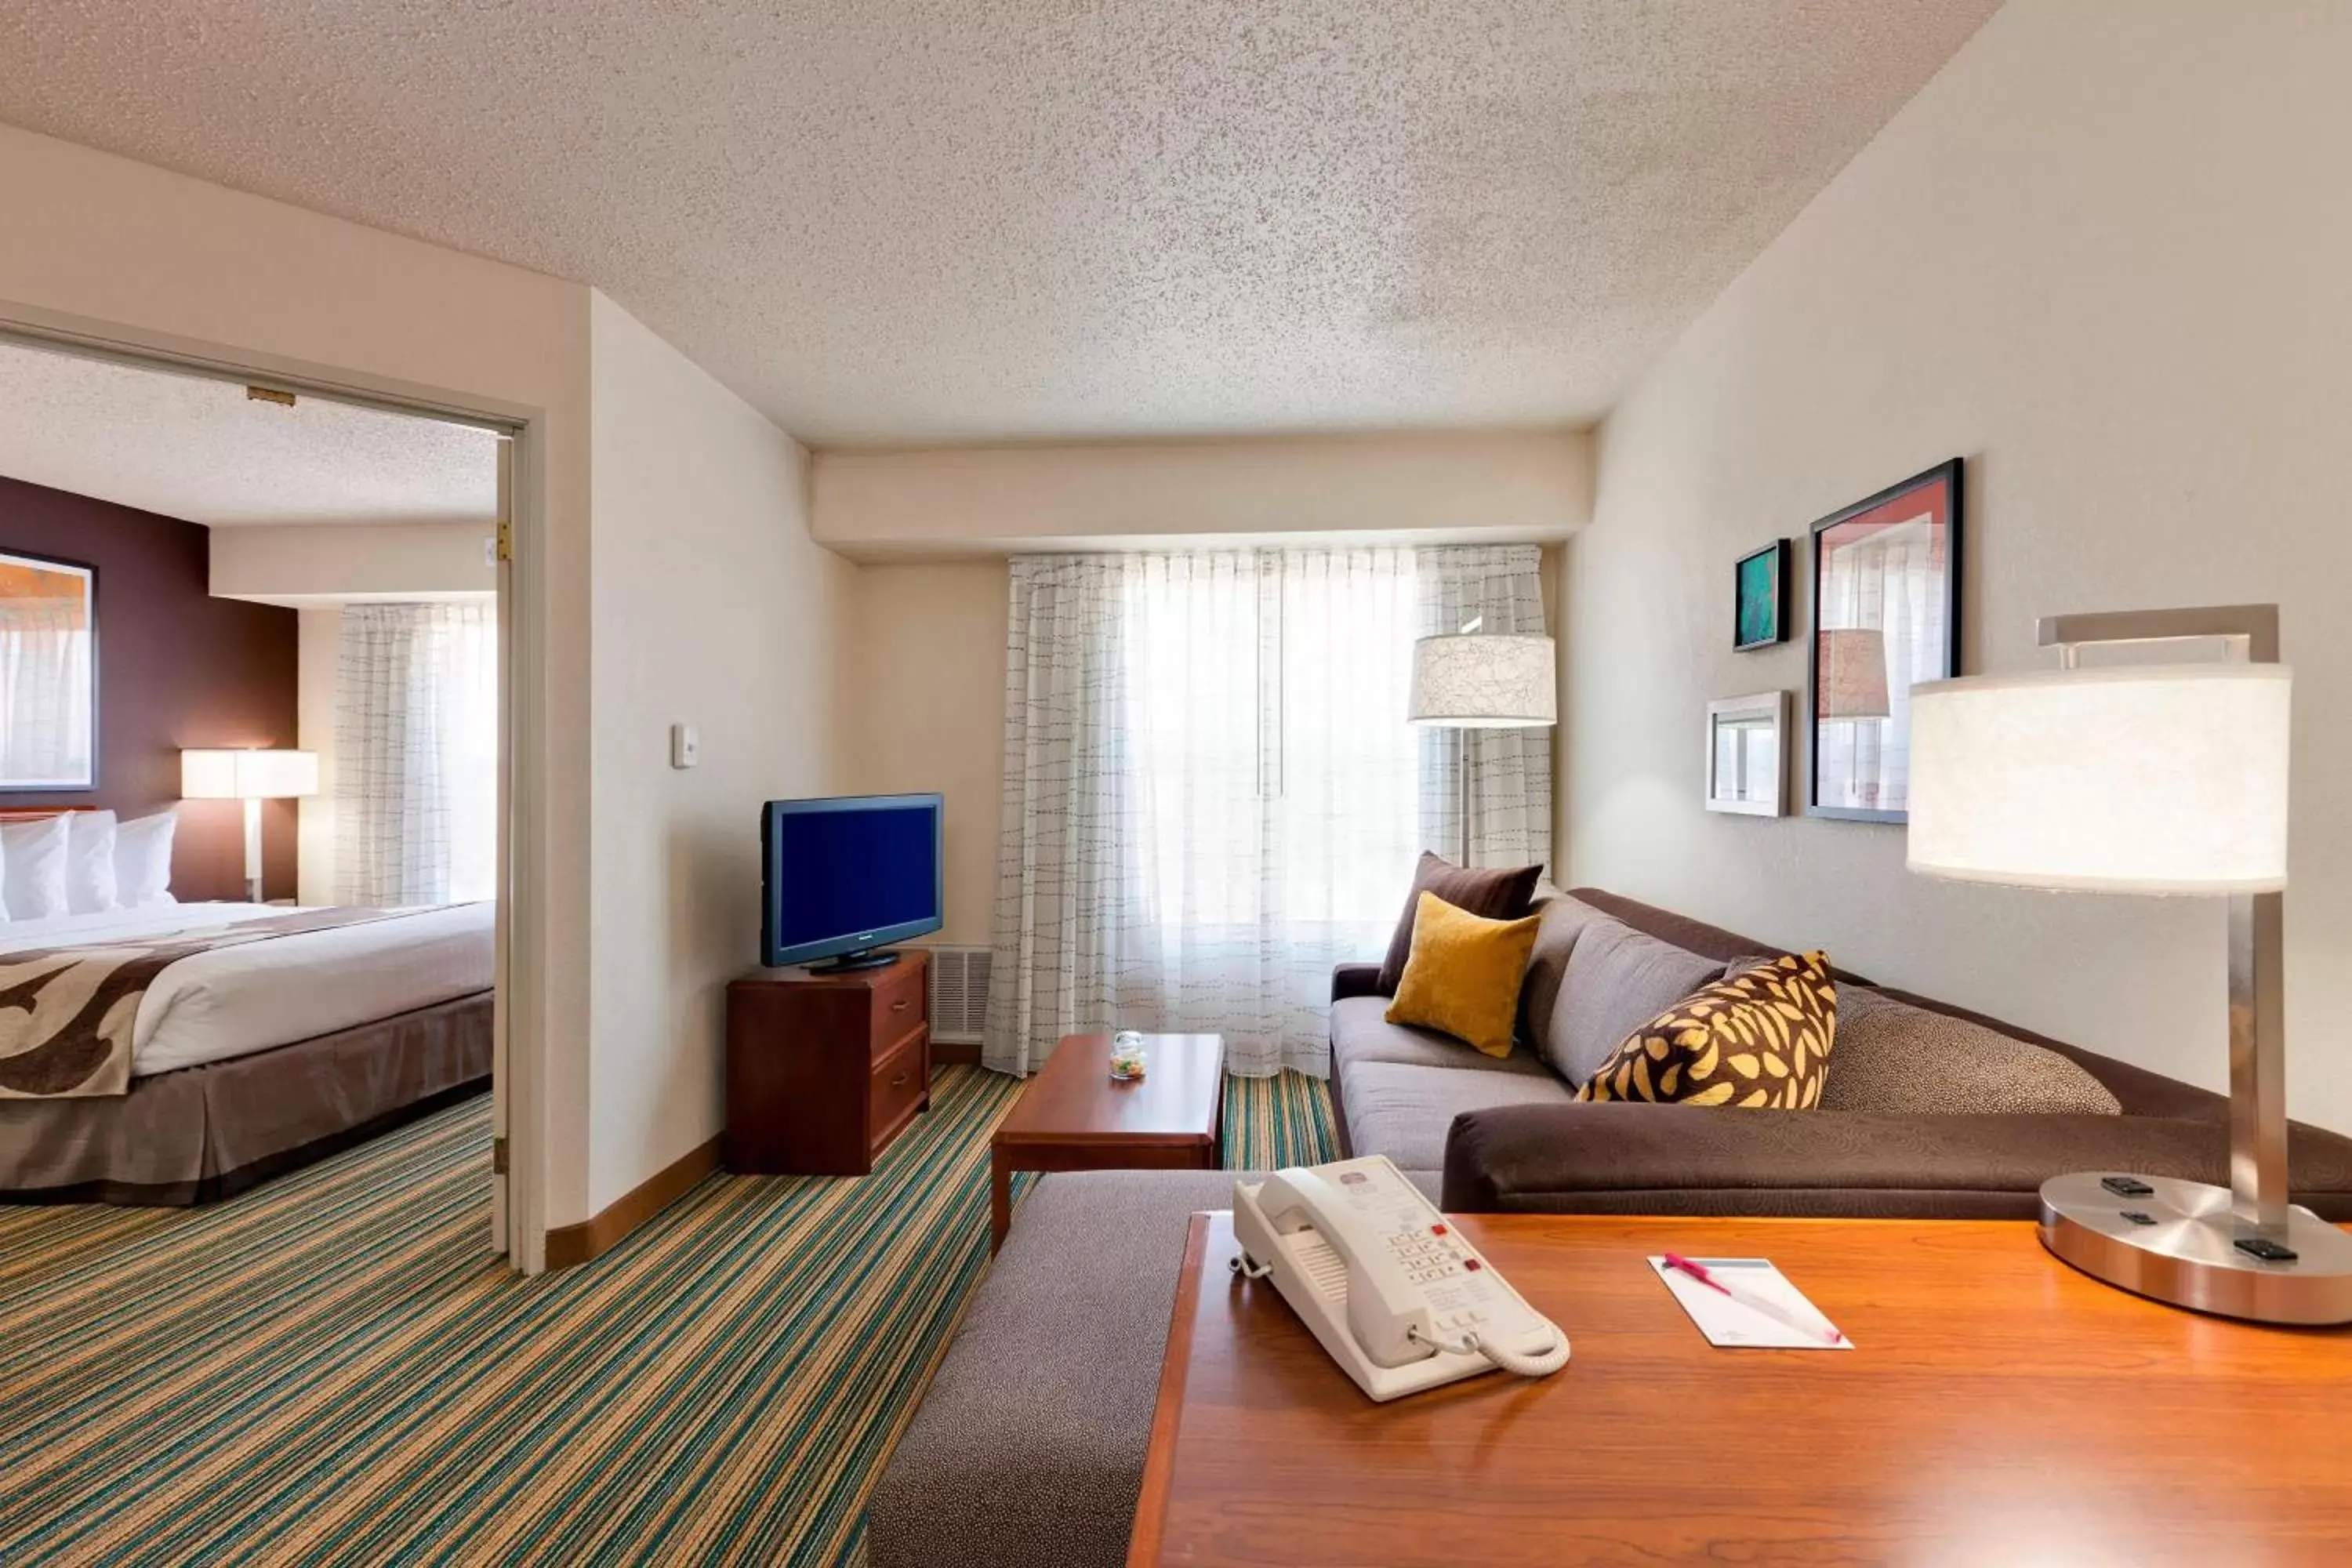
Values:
[(823, 1070)]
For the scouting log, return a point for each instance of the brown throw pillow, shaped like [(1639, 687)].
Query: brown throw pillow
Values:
[(1491, 893), (1759, 1038)]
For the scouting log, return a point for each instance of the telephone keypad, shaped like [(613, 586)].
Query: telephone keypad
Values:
[(1428, 1257)]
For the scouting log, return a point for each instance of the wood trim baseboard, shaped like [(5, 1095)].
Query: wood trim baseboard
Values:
[(570, 1245), (953, 1054)]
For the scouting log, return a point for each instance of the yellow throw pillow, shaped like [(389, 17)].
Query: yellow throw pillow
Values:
[(1760, 1038), (1463, 976)]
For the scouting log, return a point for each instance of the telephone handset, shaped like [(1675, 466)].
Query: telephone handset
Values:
[(1390, 1288)]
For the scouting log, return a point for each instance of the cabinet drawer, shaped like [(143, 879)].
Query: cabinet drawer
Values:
[(901, 1001), (899, 1087)]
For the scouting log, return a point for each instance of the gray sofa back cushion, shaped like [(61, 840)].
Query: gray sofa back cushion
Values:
[(1891, 1059), (1564, 919), (1616, 981)]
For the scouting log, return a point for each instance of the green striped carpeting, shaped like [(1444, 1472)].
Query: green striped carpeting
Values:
[(333, 1368)]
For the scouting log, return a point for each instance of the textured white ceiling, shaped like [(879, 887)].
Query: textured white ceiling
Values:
[(925, 220), (203, 452)]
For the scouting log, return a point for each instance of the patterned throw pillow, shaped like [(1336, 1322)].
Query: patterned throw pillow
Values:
[(1760, 1038)]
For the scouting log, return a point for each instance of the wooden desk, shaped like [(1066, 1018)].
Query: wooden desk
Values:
[(1073, 1116), (2000, 1408)]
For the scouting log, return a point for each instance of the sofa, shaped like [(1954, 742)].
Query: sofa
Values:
[(1027, 1451), (1509, 1135)]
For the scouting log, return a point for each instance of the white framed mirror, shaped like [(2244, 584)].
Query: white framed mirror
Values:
[(1747, 752)]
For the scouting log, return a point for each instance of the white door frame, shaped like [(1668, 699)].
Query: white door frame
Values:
[(519, 1012)]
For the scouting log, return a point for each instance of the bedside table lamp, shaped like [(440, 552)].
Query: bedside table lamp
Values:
[(251, 776), (2166, 780), (1469, 681)]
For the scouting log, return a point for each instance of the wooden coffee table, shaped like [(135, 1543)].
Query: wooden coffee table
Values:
[(1073, 1116), (1999, 1407)]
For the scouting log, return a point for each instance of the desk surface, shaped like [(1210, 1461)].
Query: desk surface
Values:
[(1999, 1407)]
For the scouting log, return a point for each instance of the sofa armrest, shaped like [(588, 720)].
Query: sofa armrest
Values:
[(1621, 1157), (1356, 979)]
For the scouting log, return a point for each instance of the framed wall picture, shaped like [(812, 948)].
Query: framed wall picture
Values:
[(1760, 597), (1746, 745), (48, 701), (1885, 617)]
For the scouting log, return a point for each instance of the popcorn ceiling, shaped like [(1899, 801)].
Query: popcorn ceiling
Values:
[(951, 220)]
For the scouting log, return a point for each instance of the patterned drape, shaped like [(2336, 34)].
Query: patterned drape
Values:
[(417, 755), (1210, 796)]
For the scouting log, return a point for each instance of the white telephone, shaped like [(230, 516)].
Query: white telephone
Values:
[(1394, 1292)]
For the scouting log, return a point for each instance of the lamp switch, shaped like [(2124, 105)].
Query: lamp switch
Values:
[(685, 746)]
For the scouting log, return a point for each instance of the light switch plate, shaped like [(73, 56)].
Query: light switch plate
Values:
[(685, 746)]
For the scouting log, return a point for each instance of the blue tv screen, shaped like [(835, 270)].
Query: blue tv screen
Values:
[(848, 874)]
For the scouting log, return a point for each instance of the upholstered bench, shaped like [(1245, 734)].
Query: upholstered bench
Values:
[(1027, 1451)]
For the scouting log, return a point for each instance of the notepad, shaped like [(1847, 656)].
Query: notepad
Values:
[(1736, 1325)]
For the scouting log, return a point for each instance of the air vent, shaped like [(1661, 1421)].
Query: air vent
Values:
[(959, 995)]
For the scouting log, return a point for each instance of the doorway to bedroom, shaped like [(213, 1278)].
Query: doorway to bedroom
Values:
[(254, 713)]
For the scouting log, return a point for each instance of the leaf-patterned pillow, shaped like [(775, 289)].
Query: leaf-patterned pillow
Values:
[(1760, 1038)]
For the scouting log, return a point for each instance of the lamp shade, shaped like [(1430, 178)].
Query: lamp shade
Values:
[(1477, 681), (2150, 780), (1853, 673), (247, 774)]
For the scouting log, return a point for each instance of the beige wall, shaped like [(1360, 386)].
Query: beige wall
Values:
[(125, 252), (295, 563), (713, 607), (928, 710), (2102, 257), (1469, 486)]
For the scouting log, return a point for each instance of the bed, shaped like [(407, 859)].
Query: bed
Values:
[(247, 1060)]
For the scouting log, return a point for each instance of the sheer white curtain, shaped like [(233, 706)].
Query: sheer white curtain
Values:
[(1211, 794), (416, 733)]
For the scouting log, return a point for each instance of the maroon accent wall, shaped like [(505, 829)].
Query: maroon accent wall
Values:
[(177, 668)]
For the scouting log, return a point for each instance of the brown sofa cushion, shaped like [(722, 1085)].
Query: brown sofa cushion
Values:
[(1896, 1059), (1632, 1158), (1617, 980), (1490, 892)]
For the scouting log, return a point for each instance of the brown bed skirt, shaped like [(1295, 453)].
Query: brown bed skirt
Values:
[(208, 1132)]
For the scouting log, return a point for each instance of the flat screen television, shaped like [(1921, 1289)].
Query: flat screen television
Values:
[(846, 876)]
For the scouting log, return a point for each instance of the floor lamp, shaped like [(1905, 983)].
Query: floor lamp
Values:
[(2153, 779), (251, 776), (1466, 680)]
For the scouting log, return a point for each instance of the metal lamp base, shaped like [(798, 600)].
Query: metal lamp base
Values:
[(2184, 1249)]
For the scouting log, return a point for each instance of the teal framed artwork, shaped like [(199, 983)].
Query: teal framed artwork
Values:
[(1760, 597)]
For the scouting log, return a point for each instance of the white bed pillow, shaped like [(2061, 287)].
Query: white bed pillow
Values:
[(89, 862), (143, 861), (32, 869)]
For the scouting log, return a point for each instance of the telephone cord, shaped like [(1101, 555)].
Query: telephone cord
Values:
[(1542, 1364)]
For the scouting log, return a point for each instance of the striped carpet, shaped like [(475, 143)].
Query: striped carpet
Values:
[(332, 1369)]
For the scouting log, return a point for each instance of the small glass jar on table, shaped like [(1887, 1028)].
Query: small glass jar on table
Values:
[(1128, 1057)]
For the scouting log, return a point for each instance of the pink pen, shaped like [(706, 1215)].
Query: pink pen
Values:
[(1705, 1276)]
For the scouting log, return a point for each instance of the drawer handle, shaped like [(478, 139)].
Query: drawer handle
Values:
[(899, 1006), (899, 1082)]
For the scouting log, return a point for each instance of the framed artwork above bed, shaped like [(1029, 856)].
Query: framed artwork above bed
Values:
[(49, 674)]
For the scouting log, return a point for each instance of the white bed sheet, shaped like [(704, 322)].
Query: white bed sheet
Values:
[(234, 1001)]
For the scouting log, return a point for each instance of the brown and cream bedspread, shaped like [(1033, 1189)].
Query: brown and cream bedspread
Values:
[(66, 1012)]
